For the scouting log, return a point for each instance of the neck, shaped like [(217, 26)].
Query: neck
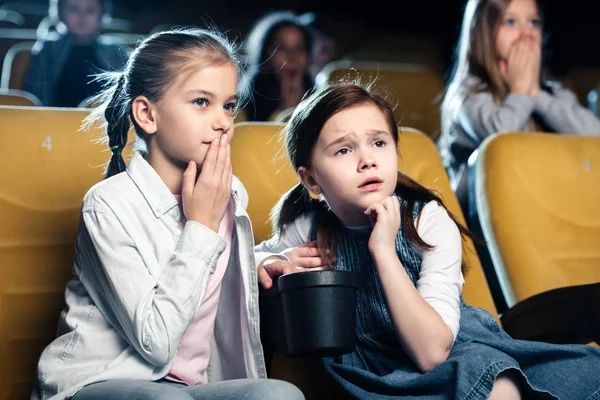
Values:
[(352, 217)]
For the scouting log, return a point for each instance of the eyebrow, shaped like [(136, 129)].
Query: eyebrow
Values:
[(513, 13), (369, 132), (210, 94)]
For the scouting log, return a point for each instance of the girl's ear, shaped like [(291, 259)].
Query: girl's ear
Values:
[(145, 112), (309, 181)]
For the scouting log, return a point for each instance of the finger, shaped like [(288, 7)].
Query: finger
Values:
[(264, 278), (370, 209), (228, 167), (378, 212), (221, 157), (306, 252), (387, 204), (278, 268), (189, 180), (396, 208), (208, 166), (396, 203), (310, 262), (309, 244)]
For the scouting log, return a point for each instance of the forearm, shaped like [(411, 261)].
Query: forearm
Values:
[(563, 113), (421, 330)]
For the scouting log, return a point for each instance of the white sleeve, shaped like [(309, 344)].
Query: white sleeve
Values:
[(441, 280), (151, 313), (294, 234)]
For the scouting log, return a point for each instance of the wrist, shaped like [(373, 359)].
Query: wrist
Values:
[(382, 252), (199, 220)]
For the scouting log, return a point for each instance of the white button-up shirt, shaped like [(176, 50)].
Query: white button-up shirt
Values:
[(138, 283)]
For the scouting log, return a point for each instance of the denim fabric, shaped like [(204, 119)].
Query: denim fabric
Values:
[(238, 389), (379, 368)]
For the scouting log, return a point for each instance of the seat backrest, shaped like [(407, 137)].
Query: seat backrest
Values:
[(47, 164), (537, 198), (14, 97), (260, 162), (15, 65), (398, 48), (414, 88), (420, 159), (240, 116)]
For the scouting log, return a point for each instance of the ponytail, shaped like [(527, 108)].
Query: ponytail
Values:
[(117, 127), (291, 205)]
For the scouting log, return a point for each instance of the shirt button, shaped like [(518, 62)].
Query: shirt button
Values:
[(147, 342), (159, 208), (175, 214)]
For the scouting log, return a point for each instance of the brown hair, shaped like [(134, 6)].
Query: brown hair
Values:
[(301, 134)]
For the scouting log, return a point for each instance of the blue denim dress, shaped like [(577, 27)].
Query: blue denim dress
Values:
[(379, 368)]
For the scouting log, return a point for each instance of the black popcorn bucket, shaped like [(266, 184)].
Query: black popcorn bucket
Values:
[(311, 314)]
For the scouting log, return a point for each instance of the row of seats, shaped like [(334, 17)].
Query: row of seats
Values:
[(416, 90), (48, 164), (535, 200), (413, 88)]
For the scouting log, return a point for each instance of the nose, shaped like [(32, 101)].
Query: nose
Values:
[(222, 121), (293, 55), (529, 31), (367, 161)]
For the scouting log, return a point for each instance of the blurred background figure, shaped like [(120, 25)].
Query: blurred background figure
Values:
[(62, 67), (279, 48), (324, 46)]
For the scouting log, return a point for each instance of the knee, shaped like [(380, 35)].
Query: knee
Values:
[(505, 387), (273, 389)]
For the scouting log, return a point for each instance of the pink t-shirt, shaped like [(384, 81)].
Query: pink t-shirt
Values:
[(191, 360)]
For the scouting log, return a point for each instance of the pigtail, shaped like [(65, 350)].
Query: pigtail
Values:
[(117, 127), (297, 201), (291, 205)]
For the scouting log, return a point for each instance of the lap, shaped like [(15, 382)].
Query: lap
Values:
[(247, 389)]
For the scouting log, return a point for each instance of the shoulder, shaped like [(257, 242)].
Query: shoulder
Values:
[(104, 195), (434, 224)]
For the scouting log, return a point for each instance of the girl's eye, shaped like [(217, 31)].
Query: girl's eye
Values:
[(536, 22), (380, 143), (342, 152), (201, 102), (509, 22), (230, 107)]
